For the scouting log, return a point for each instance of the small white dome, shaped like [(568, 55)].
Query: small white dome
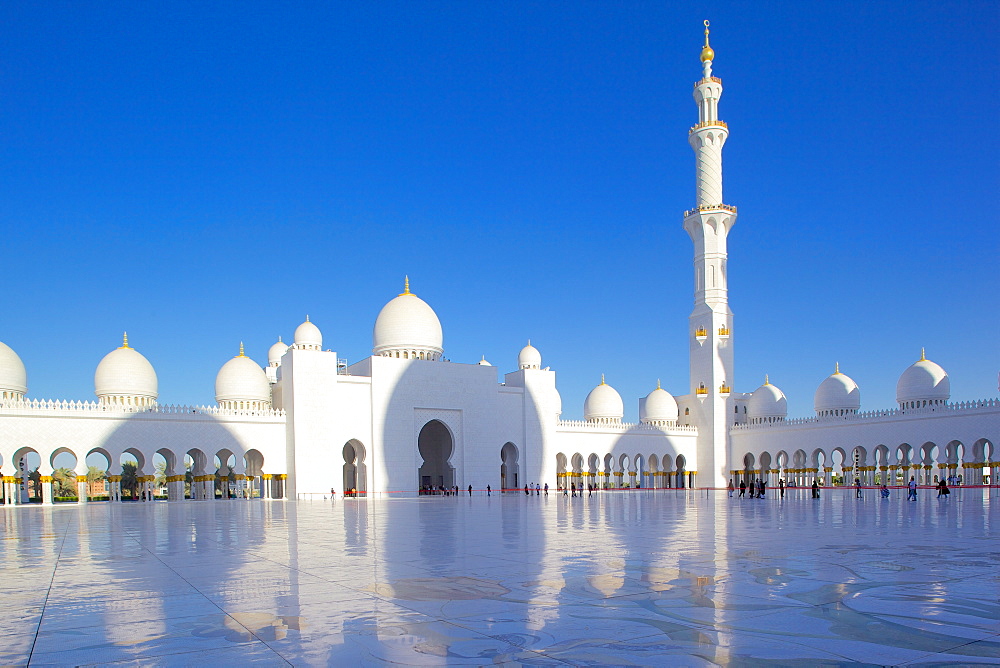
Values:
[(241, 380), (767, 402), (408, 326), (660, 406), (308, 336), (529, 357), (603, 404), (923, 381), (13, 377), (276, 351), (837, 393), (125, 377), (483, 362)]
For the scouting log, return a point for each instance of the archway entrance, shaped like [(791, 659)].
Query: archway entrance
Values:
[(508, 467), (354, 469), (435, 445)]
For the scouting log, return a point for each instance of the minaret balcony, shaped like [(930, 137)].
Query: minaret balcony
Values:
[(708, 124), (701, 334), (701, 392), (706, 80), (714, 207), (724, 390), (723, 332)]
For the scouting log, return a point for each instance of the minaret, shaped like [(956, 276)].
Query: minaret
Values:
[(711, 321)]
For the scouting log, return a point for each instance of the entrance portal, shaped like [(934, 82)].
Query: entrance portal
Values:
[(508, 467), (436, 445)]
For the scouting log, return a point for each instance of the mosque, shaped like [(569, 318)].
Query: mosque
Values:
[(407, 419)]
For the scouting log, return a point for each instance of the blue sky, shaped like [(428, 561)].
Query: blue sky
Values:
[(204, 174)]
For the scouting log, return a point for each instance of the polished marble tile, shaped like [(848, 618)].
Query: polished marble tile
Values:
[(639, 578)]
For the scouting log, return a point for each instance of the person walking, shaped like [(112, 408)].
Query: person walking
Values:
[(815, 489), (857, 488), (732, 488), (546, 489), (470, 490), (781, 486), (488, 490), (572, 489), (743, 488), (761, 488), (912, 490), (526, 492)]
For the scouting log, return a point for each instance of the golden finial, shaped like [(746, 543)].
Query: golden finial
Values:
[(241, 350), (658, 384), (124, 340), (706, 51), (836, 369), (923, 357), (307, 317), (406, 286), (602, 379), (279, 339), (767, 381)]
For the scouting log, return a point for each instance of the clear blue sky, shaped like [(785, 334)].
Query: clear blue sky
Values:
[(204, 173)]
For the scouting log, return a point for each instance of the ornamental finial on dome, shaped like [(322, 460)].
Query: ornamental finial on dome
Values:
[(406, 287), (602, 380), (836, 369), (307, 317), (923, 356), (707, 54), (658, 384), (124, 340), (767, 380), (241, 350)]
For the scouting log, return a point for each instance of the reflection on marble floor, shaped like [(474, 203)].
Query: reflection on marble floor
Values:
[(627, 578)]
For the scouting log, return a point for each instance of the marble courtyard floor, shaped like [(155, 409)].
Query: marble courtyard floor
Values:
[(623, 578)]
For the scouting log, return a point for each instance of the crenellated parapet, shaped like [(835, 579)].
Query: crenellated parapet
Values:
[(590, 426), (49, 406), (888, 414)]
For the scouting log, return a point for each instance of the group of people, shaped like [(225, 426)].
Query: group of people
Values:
[(574, 488), (757, 488)]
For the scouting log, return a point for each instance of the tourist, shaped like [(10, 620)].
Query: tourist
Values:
[(546, 489), (470, 490), (732, 488), (857, 487), (487, 490), (572, 489), (761, 488), (743, 488), (781, 486), (884, 491), (526, 492), (912, 490), (815, 489), (943, 489)]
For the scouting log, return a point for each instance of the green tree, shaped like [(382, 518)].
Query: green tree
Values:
[(130, 480), (64, 482), (160, 474), (35, 484)]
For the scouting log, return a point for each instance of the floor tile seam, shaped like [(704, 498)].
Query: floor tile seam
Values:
[(206, 597), (170, 654), (55, 567), (540, 653)]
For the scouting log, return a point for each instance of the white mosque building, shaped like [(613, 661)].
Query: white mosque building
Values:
[(405, 418)]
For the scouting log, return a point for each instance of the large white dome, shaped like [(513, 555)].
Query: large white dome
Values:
[(308, 336), (277, 351), (408, 327), (767, 403), (240, 383), (529, 357), (125, 377), (838, 393), (603, 404), (659, 407), (13, 377), (923, 381)]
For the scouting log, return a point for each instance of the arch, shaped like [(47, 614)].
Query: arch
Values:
[(27, 463), (355, 470), (639, 467), (680, 463), (509, 466), (593, 467), (436, 444), (654, 471)]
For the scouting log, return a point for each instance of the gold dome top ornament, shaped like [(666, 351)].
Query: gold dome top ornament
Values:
[(707, 54)]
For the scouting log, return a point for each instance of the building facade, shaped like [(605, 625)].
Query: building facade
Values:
[(407, 420)]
